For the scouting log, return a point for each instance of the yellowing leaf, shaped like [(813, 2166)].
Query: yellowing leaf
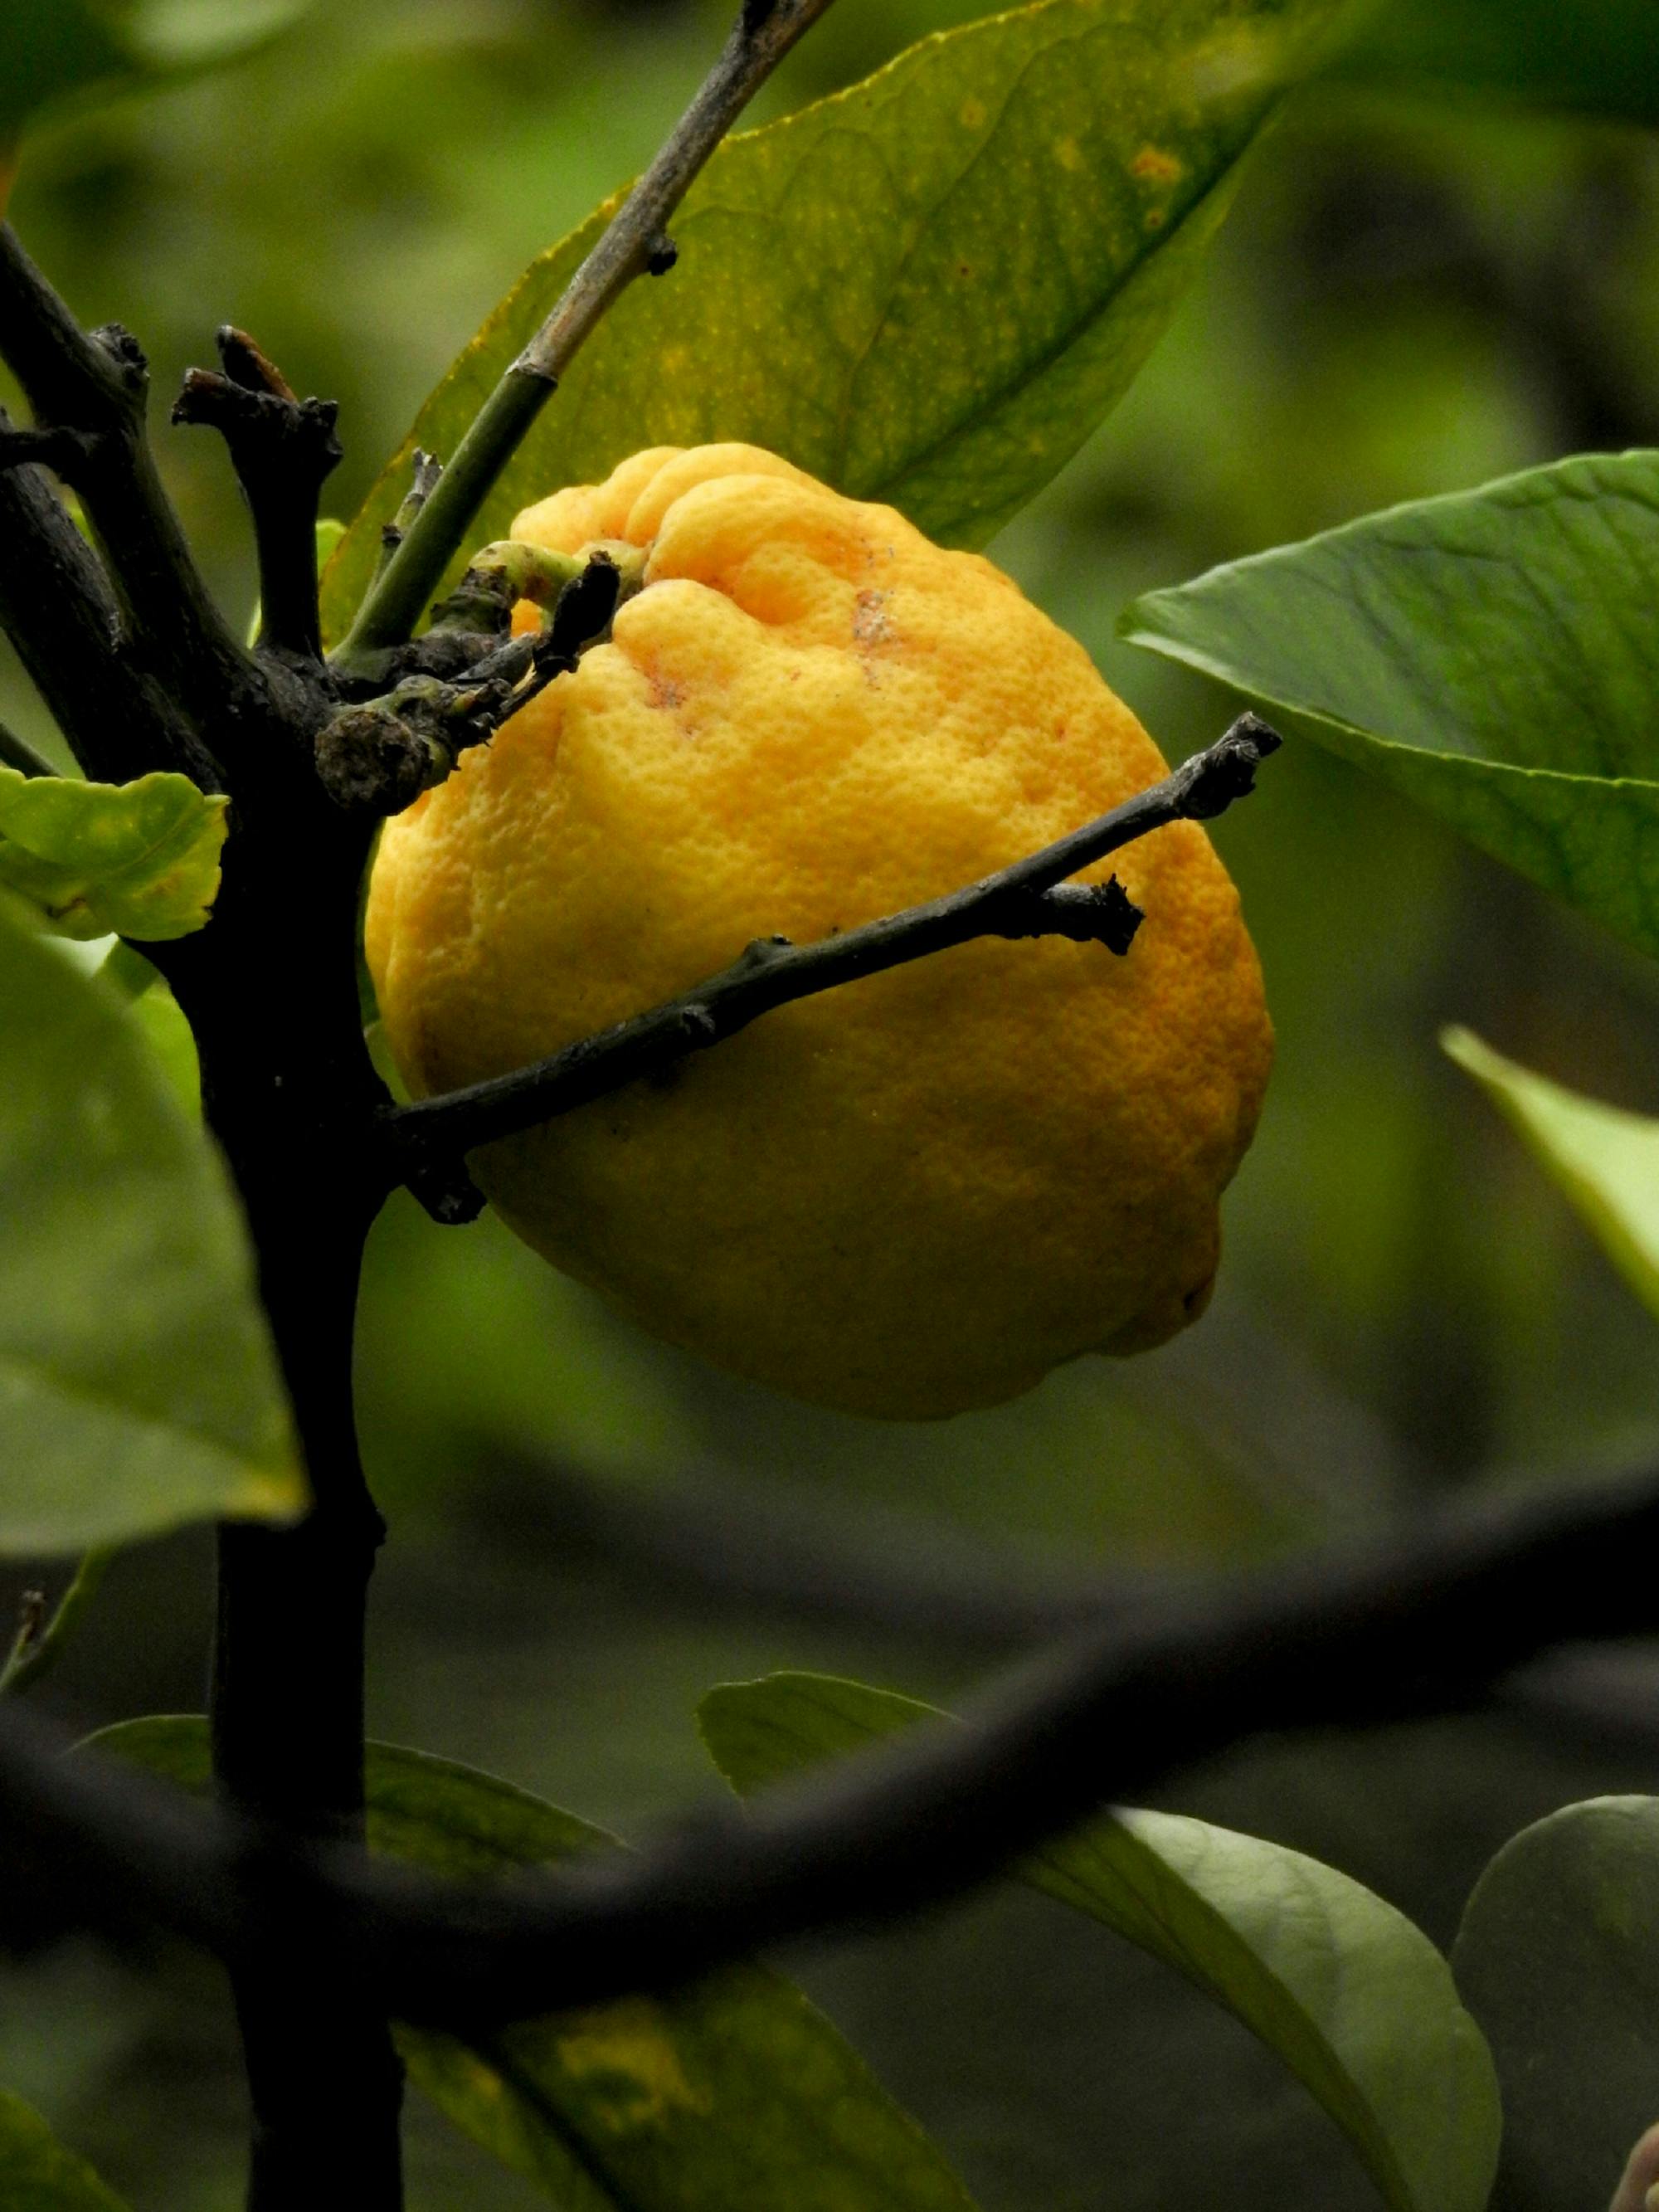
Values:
[(136, 860), (1605, 1160)]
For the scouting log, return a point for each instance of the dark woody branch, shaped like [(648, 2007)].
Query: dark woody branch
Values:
[(1421, 1624), (1029, 899), (57, 606), (376, 757), (282, 449), (87, 391)]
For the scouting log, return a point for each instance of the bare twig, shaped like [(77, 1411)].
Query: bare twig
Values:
[(95, 384), (282, 449), (634, 244), (1353, 1638), (56, 607), (1026, 900), (41, 1639)]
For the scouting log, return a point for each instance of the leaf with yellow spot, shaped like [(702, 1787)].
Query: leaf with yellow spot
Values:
[(927, 289), (138, 860), (734, 2097)]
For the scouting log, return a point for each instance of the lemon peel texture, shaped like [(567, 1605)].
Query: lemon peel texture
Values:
[(909, 1197)]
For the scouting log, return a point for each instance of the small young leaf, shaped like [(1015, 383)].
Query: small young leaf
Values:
[(1606, 1160), (37, 2174), (927, 289), (138, 1388), (735, 2096), (1555, 1960), (140, 860), (1354, 1999), (1491, 654)]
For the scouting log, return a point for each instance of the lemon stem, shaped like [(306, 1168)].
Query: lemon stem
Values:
[(635, 243)]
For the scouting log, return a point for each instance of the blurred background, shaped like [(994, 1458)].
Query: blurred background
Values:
[(1412, 295)]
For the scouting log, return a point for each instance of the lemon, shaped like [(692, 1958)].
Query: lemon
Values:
[(909, 1196)]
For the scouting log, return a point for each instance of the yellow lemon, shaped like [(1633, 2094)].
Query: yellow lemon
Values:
[(909, 1196)]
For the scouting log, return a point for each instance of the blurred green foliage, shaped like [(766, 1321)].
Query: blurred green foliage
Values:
[(1407, 299)]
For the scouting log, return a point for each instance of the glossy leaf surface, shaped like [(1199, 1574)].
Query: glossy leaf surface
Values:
[(1491, 654), (1557, 1961), (1605, 1160), (94, 859), (735, 2097), (36, 2173), (137, 1385), (1354, 1999), (927, 289)]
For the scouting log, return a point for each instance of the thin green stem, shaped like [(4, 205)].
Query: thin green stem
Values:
[(37, 1649), (632, 241)]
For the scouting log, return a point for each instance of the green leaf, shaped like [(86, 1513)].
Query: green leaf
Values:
[(1491, 654), (1606, 1160), (926, 290), (735, 2096), (138, 1388), (1555, 1960), (97, 858), (1597, 56), (1355, 2000), (37, 2174)]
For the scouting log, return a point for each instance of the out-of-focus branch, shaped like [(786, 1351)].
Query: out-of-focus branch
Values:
[(1417, 1624), (1029, 899), (634, 244)]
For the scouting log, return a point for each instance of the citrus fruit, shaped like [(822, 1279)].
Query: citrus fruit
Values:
[(908, 1196)]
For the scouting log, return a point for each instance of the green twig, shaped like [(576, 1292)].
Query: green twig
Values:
[(634, 243), (38, 1644)]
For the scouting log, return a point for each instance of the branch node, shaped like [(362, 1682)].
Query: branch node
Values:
[(123, 354), (661, 254), (447, 1193), (761, 952), (1226, 770), (1088, 914)]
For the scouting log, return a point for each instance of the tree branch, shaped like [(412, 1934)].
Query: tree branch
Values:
[(634, 244), (282, 449), (1029, 899), (56, 607), (87, 392), (1355, 1637)]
